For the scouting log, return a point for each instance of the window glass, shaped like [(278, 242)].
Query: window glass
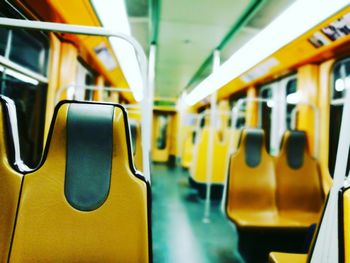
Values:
[(275, 115), (340, 83), (163, 121), (341, 79), (291, 90), (265, 114), (30, 100), (240, 122), (3, 40), (29, 51)]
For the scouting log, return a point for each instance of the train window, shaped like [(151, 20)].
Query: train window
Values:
[(340, 83), (275, 115), (29, 96), (29, 51), (3, 41), (163, 123), (85, 77), (240, 122), (291, 90), (265, 113), (26, 86)]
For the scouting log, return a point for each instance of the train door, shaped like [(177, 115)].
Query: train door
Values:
[(161, 136), (23, 73), (275, 115), (340, 83)]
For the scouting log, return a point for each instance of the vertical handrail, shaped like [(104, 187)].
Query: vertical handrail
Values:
[(326, 248)]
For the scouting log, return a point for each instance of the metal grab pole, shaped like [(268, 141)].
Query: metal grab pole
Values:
[(326, 248), (209, 172), (147, 108)]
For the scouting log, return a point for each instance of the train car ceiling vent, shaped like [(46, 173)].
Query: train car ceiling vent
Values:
[(113, 16), (291, 24)]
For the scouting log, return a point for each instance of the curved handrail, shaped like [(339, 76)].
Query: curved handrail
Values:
[(99, 31), (88, 87), (13, 123)]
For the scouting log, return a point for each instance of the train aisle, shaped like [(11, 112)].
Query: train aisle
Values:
[(178, 232)]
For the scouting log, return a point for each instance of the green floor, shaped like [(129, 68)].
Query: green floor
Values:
[(179, 235)]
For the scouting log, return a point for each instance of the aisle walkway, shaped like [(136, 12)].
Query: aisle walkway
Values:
[(179, 235)]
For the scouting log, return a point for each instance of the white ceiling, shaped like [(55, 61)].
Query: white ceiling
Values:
[(189, 30), (188, 33)]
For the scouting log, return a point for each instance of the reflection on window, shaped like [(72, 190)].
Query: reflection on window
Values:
[(292, 100), (275, 114), (266, 113), (30, 102), (340, 83), (3, 40), (162, 131), (28, 51), (240, 122)]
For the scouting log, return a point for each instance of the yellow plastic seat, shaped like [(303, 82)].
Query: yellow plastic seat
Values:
[(220, 154), (187, 152), (10, 185), (278, 257), (344, 236), (251, 194), (299, 194), (74, 211), (250, 200)]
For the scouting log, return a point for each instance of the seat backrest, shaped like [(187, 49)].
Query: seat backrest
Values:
[(10, 180), (251, 178), (220, 155), (86, 202), (298, 176)]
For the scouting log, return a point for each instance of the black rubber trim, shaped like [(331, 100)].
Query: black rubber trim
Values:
[(253, 147), (295, 149), (136, 173), (89, 155)]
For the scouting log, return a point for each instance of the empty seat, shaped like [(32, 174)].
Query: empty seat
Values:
[(343, 236), (251, 193), (220, 158), (186, 157), (86, 202), (278, 257), (10, 180), (250, 200), (299, 192)]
